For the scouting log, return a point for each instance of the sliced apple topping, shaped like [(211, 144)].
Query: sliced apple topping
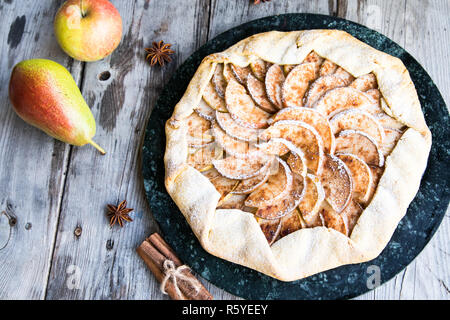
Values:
[(231, 145), (312, 201), (303, 136), (392, 136), (222, 184), (249, 185), (238, 168), (334, 220), (357, 120), (364, 82), (198, 131), (361, 176), (376, 175), (276, 187), (314, 58), (201, 158), (273, 147), (360, 144), (257, 90), (213, 99), (270, 228), (288, 68), (319, 87), (350, 216), (219, 81), (242, 108), (205, 111), (297, 83), (375, 94), (241, 73), (274, 83), (228, 72), (287, 203), (328, 67), (340, 99), (233, 128), (337, 183), (259, 68), (290, 223), (232, 201), (388, 122), (314, 119), (340, 72)]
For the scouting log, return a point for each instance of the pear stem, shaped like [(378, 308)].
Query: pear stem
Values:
[(103, 152)]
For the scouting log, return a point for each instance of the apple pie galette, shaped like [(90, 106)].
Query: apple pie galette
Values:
[(295, 152)]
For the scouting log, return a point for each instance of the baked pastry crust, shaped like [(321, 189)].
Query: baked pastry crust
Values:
[(235, 235)]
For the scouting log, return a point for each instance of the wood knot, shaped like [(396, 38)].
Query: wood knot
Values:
[(77, 231), (28, 226)]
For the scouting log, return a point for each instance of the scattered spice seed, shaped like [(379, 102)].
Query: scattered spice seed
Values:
[(159, 53), (119, 213)]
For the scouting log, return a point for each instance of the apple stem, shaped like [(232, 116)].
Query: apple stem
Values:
[(103, 152)]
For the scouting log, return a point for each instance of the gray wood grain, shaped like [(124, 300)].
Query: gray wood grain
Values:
[(32, 165), (49, 189)]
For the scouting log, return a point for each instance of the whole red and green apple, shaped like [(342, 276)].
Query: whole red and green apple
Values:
[(44, 94), (88, 30)]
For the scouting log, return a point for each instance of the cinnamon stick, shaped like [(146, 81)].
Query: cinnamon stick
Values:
[(155, 251)]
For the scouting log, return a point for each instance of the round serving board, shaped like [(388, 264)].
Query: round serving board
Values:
[(412, 234)]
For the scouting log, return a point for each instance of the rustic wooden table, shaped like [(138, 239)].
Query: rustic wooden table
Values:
[(55, 241)]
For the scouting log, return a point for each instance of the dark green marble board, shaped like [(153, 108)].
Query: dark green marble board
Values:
[(414, 231)]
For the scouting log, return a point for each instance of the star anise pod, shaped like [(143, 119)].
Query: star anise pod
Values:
[(159, 53), (259, 1), (119, 213)]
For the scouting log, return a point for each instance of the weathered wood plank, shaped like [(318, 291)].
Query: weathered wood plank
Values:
[(32, 164), (106, 259), (420, 27)]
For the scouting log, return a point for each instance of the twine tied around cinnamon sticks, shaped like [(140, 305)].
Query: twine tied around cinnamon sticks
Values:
[(176, 279)]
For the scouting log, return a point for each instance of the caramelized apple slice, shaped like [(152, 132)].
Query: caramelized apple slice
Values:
[(270, 228), (319, 87), (274, 82), (334, 220), (205, 111), (327, 68), (364, 82), (375, 94), (228, 73), (388, 122), (314, 119), (232, 146), (241, 73), (348, 78), (249, 185), (242, 108), (259, 68), (350, 216), (219, 81), (376, 175), (337, 182), (340, 99), (361, 145), (312, 201), (290, 223), (233, 128), (257, 90), (213, 99), (273, 147), (198, 131), (286, 204), (303, 136), (361, 176), (276, 187), (288, 68), (317, 60), (201, 158), (232, 201), (222, 184), (392, 136), (296, 83), (237, 168), (357, 120)]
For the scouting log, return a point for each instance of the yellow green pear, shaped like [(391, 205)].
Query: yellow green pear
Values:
[(45, 95)]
